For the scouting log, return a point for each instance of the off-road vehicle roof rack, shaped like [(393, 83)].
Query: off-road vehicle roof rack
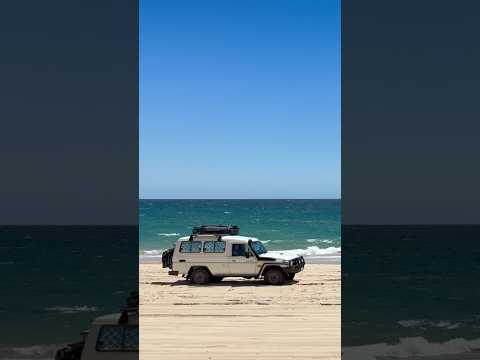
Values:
[(216, 230)]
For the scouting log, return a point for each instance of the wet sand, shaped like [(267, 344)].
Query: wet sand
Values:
[(240, 319)]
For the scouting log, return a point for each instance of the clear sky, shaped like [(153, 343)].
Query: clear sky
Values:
[(240, 99)]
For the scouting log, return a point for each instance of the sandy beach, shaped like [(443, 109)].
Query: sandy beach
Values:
[(240, 319)]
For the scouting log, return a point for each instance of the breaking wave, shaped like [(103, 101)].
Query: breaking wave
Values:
[(311, 251), (325, 241), (168, 234), (409, 347), (72, 309), (37, 352), (152, 253), (423, 324)]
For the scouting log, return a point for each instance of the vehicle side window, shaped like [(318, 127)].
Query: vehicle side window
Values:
[(190, 246), (117, 338), (214, 246), (130, 342), (238, 249)]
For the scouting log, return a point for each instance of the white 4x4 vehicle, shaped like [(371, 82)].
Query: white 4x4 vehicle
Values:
[(110, 337), (213, 252)]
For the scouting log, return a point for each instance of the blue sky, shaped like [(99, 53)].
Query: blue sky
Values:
[(240, 99)]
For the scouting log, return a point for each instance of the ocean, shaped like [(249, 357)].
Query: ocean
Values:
[(410, 290), (306, 227), (57, 279)]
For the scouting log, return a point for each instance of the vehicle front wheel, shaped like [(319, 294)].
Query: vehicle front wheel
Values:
[(290, 276), (274, 276), (200, 276)]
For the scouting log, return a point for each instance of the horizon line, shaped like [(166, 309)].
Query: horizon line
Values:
[(239, 198)]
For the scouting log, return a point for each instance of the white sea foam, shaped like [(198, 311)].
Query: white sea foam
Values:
[(410, 323), (409, 347), (423, 324), (168, 234), (72, 309), (152, 253), (227, 212), (325, 241), (311, 251), (33, 352)]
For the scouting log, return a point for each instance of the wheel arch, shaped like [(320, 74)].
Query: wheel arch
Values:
[(267, 267), (195, 267)]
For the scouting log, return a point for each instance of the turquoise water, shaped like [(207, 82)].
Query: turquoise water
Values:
[(311, 225)]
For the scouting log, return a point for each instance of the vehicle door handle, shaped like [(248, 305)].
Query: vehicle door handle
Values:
[(181, 260)]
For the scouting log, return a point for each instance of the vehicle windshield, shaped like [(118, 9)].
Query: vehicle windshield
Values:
[(258, 247)]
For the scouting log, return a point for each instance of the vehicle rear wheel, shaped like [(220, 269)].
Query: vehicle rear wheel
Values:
[(274, 276), (290, 276), (200, 276)]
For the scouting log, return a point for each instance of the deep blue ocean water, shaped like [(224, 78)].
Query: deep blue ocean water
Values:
[(410, 289), (57, 279), (310, 225)]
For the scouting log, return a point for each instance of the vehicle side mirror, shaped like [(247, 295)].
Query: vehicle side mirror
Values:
[(247, 254)]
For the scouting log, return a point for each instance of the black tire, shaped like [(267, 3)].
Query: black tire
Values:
[(290, 277), (217, 278), (200, 276), (274, 276)]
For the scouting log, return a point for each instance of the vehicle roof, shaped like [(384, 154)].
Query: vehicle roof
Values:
[(107, 319), (112, 319), (206, 237)]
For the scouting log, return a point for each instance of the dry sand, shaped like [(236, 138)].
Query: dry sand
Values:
[(240, 319)]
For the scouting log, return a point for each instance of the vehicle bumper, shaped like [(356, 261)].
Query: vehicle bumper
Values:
[(296, 265)]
